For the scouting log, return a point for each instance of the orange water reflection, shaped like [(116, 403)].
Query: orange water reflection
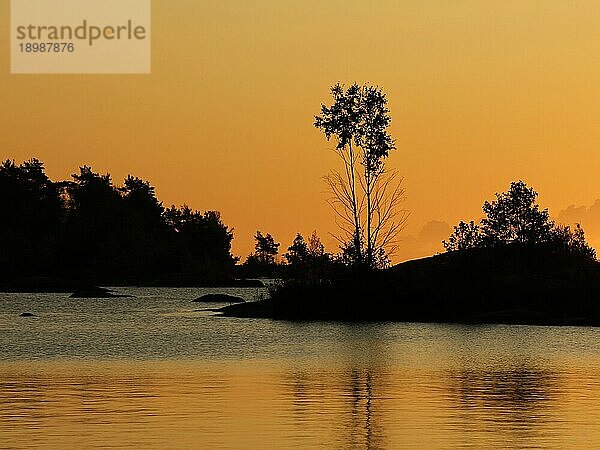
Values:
[(258, 405)]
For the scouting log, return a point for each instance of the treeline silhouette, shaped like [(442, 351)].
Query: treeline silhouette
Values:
[(305, 260), (515, 266), (89, 229)]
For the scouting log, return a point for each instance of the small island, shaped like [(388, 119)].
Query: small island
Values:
[(515, 267)]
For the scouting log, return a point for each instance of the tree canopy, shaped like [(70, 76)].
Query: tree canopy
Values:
[(515, 217), (87, 227), (365, 196)]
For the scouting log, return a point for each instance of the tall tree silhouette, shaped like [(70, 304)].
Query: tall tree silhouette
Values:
[(365, 196), (262, 261), (139, 197), (297, 252), (93, 226), (30, 217), (265, 249)]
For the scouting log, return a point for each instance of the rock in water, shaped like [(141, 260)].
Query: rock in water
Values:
[(26, 314)]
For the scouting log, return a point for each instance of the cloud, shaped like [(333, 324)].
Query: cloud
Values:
[(589, 218), (426, 243)]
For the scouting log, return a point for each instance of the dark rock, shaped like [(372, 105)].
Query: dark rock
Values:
[(26, 314), (219, 298)]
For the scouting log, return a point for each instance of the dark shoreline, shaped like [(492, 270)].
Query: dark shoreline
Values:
[(263, 310), (50, 284), (528, 285)]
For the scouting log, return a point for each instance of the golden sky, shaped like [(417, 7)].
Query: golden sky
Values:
[(480, 92)]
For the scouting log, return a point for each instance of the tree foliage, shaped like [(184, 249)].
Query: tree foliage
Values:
[(308, 262), (297, 252), (264, 258), (515, 217), (30, 217), (302, 252), (364, 195), (89, 228), (572, 241), (464, 236)]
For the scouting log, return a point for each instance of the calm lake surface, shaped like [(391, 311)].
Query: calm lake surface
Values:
[(153, 372)]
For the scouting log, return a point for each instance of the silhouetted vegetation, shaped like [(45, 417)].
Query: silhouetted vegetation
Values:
[(89, 229), (308, 263), (304, 262), (365, 196), (516, 218), (263, 261), (516, 266), (516, 283)]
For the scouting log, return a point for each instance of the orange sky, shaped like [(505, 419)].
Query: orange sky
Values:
[(481, 93)]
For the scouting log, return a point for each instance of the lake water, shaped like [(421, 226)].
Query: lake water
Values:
[(153, 372)]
